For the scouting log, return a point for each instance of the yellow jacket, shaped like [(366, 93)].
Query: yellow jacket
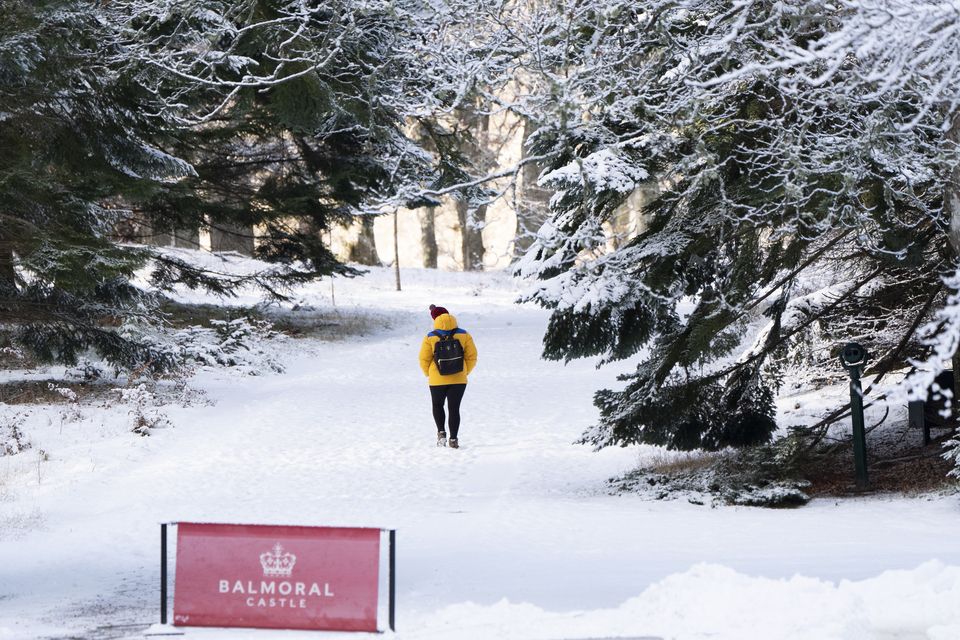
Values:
[(446, 322)]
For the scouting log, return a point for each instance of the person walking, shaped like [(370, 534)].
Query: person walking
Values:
[(447, 356)]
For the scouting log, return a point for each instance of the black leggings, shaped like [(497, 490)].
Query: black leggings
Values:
[(453, 394)]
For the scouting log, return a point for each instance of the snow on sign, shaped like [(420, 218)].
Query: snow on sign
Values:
[(320, 578)]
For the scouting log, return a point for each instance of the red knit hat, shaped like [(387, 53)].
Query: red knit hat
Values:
[(437, 311)]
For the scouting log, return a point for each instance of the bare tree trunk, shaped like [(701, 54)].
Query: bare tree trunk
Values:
[(472, 219), (428, 237), (471, 226), (534, 207), (364, 250), (951, 190)]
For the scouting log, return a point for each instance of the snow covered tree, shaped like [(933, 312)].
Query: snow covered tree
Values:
[(74, 139), (290, 114), (808, 212), (886, 48), (283, 115)]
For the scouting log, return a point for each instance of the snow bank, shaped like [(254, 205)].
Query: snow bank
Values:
[(716, 602)]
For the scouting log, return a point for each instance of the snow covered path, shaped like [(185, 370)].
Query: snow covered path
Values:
[(345, 437)]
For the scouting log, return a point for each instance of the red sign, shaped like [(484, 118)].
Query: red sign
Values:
[(276, 577)]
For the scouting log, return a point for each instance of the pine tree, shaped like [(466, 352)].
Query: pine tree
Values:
[(73, 139), (291, 123), (898, 48), (285, 115), (764, 192)]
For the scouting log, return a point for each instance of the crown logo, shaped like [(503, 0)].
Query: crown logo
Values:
[(277, 563)]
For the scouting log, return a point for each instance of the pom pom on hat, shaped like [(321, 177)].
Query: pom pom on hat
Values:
[(437, 311)]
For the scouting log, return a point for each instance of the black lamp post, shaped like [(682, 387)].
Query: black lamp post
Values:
[(853, 357)]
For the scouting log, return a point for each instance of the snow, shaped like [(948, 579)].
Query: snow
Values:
[(603, 170), (513, 536), (735, 606), (942, 335)]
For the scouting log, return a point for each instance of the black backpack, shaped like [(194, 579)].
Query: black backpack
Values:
[(448, 354)]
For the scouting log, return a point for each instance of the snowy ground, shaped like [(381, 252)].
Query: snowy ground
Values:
[(512, 536)]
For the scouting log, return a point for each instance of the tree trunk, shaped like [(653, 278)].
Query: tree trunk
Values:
[(533, 209), (8, 278), (951, 191), (364, 250), (471, 227), (473, 218), (8, 273), (951, 206), (428, 237)]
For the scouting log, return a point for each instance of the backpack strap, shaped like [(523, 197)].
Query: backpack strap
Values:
[(442, 333)]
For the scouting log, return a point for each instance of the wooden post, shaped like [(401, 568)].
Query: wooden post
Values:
[(396, 245), (333, 293)]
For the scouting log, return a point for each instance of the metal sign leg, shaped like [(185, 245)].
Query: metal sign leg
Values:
[(393, 579), (163, 574)]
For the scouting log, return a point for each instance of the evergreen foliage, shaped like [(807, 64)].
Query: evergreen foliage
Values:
[(72, 139), (280, 115), (813, 212), (286, 121)]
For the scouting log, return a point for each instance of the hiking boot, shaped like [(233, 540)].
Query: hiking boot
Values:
[(454, 444), (442, 438)]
